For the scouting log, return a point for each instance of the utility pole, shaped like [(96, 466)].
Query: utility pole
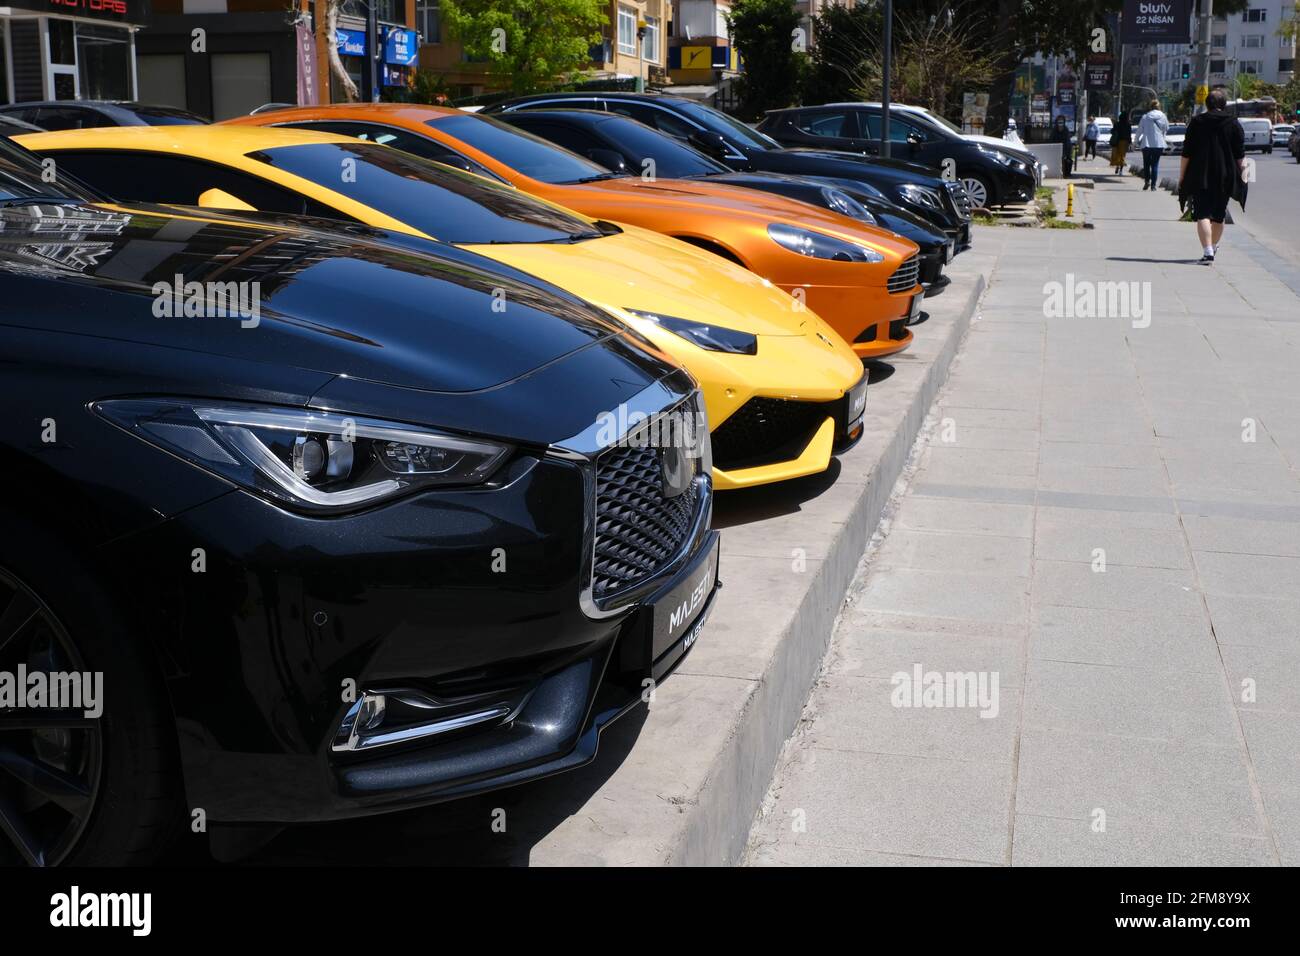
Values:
[(886, 64), (374, 50), (1203, 49)]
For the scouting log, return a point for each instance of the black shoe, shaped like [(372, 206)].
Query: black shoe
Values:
[(1207, 257)]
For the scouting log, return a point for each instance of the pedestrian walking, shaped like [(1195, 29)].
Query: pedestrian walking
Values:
[(1212, 170), (1091, 133), (1151, 133), (1121, 135), (1061, 134)]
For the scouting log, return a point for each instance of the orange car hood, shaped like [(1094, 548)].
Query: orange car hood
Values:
[(686, 197)]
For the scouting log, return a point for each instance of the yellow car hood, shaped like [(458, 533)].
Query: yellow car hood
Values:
[(646, 271)]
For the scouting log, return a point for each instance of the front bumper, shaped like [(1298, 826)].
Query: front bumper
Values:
[(468, 598)]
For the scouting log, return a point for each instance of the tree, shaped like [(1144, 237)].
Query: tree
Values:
[(842, 35), (332, 48), (532, 44), (936, 57), (767, 36)]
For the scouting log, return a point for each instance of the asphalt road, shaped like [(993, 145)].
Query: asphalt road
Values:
[(1273, 204)]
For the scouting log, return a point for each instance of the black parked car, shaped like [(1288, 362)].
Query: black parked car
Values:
[(916, 188), (381, 547), (622, 144), (88, 114), (10, 126), (993, 175)]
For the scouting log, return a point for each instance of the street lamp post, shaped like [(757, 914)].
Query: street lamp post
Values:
[(886, 63), (1203, 50)]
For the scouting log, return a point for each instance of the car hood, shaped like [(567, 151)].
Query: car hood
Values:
[(826, 162), (706, 203), (644, 271), (448, 322)]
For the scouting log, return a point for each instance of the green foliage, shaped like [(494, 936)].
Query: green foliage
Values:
[(764, 34), (842, 35), (530, 43)]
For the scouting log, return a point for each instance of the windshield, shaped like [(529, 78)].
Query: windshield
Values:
[(444, 203), (523, 152), (943, 121), (1178, 128), (731, 128), (672, 159), (167, 116), (21, 179)]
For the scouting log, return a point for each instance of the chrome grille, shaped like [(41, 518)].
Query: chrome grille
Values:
[(638, 529), (904, 276), (960, 199)]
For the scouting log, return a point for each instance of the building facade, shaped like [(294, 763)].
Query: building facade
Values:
[(621, 54), (1241, 44), (249, 55), (69, 49)]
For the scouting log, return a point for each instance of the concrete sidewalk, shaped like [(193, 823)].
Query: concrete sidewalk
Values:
[(1101, 527)]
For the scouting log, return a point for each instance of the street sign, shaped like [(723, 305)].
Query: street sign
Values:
[(1202, 92), (1156, 21)]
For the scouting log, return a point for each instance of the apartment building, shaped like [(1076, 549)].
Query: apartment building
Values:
[(1241, 44)]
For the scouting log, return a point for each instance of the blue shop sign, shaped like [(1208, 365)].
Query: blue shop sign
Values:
[(350, 42), (401, 47)]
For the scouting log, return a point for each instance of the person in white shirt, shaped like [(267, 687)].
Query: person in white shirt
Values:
[(1151, 134)]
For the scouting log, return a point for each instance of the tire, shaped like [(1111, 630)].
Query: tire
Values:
[(134, 810)]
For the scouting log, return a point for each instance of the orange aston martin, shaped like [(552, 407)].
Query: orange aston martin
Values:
[(860, 279)]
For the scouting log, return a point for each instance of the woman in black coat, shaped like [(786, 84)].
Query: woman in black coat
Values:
[(1121, 135), (1061, 134), (1212, 170)]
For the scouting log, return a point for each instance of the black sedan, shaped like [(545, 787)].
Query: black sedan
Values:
[(301, 526), (916, 188), (622, 144), (992, 175), (88, 114)]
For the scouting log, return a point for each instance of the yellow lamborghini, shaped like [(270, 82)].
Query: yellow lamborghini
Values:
[(783, 391)]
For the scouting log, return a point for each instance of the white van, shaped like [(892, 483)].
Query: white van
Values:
[(1259, 133)]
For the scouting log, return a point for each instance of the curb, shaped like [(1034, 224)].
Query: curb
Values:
[(683, 786)]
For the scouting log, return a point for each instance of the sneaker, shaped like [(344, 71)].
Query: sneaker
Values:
[(1207, 257)]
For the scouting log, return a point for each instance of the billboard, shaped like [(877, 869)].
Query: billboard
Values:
[(1156, 21)]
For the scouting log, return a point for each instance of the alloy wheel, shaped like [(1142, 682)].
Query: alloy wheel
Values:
[(978, 192), (50, 760)]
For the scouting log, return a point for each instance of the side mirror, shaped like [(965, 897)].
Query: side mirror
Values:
[(609, 158), (220, 199), (709, 142), (914, 139)]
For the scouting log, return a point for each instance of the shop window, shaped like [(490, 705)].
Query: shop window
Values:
[(104, 62)]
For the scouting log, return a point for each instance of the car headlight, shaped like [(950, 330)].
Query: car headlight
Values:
[(841, 202), (819, 246), (999, 157), (317, 461), (714, 338), (921, 195)]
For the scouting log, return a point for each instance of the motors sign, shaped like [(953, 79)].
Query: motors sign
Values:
[(121, 11), (1156, 21)]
